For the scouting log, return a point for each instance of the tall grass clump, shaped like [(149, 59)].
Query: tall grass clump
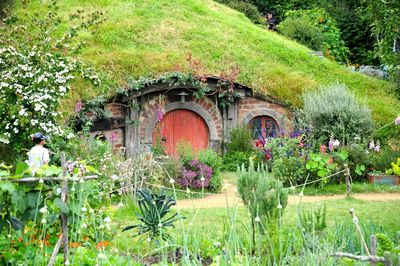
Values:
[(262, 194), (334, 112)]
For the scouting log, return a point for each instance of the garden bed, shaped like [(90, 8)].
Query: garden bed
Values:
[(384, 179)]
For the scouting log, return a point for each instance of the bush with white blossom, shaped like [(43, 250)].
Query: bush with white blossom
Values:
[(35, 73)]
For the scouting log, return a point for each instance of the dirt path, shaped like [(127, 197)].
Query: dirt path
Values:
[(220, 200)]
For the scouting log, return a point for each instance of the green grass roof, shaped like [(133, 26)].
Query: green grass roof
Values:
[(141, 37)]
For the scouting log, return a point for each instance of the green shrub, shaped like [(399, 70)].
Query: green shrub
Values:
[(288, 162), (240, 140), (333, 44), (248, 9), (303, 31), (262, 194), (314, 220), (185, 152), (232, 160), (334, 112), (382, 160), (212, 159)]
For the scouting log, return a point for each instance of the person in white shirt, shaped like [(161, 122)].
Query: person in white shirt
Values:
[(38, 155)]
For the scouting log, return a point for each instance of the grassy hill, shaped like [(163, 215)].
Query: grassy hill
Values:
[(142, 37)]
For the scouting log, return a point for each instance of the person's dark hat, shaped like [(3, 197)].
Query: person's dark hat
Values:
[(40, 136)]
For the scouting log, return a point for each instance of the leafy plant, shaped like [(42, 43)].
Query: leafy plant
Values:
[(155, 215), (213, 160), (302, 30), (262, 194), (232, 160), (314, 220), (247, 8), (240, 139)]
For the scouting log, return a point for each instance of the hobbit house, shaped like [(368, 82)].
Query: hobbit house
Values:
[(168, 114)]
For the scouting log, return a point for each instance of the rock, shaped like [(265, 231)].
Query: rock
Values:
[(371, 72)]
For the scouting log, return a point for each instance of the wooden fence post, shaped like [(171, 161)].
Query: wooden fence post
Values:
[(373, 248), (64, 217), (348, 183), (388, 260)]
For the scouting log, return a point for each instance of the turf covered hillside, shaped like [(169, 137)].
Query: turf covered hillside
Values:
[(142, 37)]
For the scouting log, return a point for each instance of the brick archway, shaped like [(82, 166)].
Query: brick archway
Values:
[(280, 120)]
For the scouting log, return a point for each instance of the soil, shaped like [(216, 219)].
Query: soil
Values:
[(172, 257), (231, 198)]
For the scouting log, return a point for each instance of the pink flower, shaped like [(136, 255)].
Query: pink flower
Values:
[(113, 136), (397, 121), (78, 107)]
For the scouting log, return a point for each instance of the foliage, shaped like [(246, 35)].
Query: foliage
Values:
[(314, 220), (384, 159), (287, 160), (185, 151), (213, 160), (303, 31), (36, 71), (335, 47), (155, 215), (395, 168), (245, 7), (196, 175), (334, 112), (384, 18), (262, 194), (232, 160), (240, 140)]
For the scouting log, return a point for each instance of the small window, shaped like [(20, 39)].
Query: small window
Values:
[(263, 126)]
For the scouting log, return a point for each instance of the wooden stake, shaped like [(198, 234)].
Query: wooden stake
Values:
[(55, 251), (64, 218), (348, 183), (373, 248), (355, 221)]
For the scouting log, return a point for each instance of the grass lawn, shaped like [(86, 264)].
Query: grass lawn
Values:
[(151, 37), (330, 189), (209, 226)]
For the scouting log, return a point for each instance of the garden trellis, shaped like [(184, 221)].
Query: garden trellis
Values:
[(64, 196)]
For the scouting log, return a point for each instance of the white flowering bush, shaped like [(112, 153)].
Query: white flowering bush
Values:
[(36, 71)]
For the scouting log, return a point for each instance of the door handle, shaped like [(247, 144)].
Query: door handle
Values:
[(164, 139)]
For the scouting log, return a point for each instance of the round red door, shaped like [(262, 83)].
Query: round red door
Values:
[(182, 125)]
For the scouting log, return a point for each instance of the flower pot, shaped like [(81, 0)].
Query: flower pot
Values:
[(383, 179)]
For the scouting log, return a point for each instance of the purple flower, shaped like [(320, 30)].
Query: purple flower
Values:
[(78, 107), (195, 175), (160, 114), (397, 121)]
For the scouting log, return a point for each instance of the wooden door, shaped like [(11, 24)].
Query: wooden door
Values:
[(182, 124)]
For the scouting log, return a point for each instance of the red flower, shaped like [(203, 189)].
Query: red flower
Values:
[(322, 149)]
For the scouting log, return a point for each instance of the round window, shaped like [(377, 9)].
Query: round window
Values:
[(263, 127)]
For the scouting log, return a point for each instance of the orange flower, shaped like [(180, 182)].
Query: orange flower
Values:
[(330, 160), (74, 244), (103, 244)]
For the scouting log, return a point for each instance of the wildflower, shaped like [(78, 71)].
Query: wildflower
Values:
[(202, 179), (301, 194), (257, 219), (67, 262), (58, 191), (9, 236), (91, 211), (73, 189), (114, 177), (107, 220), (148, 239), (70, 135), (172, 181), (292, 187), (187, 190), (81, 181), (41, 181), (397, 121), (78, 107), (160, 225), (279, 206), (322, 149), (43, 221), (120, 205), (371, 145), (83, 209), (160, 114), (84, 226), (114, 136), (43, 209), (102, 256)]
